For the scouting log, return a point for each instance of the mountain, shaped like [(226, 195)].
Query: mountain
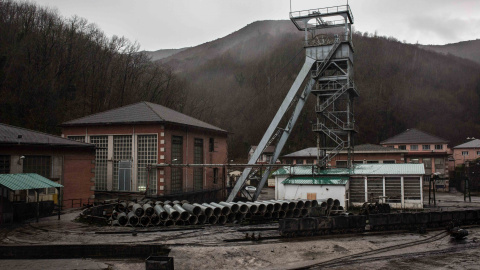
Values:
[(239, 81), (465, 49), (160, 54)]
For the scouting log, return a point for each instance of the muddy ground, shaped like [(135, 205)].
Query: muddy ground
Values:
[(209, 248)]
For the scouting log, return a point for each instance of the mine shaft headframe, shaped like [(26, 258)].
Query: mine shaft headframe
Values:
[(321, 18)]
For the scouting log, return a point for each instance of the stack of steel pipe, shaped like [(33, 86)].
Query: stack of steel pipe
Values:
[(169, 213)]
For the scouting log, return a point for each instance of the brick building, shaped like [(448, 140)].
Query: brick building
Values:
[(63, 161), (130, 138), (363, 154), (424, 148), (468, 151)]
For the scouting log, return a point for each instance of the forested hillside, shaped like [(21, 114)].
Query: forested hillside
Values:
[(53, 70), (245, 76), (465, 49)]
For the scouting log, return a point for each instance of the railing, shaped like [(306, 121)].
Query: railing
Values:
[(322, 128), (324, 39), (322, 11)]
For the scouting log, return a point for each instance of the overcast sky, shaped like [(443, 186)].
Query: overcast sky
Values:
[(165, 24)]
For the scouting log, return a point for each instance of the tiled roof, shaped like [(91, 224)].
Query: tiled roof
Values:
[(358, 169), (24, 181), (141, 112), (308, 180), (414, 136), (471, 144), (362, 148), (16, 135)]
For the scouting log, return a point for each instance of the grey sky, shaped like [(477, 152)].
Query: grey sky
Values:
[(164, 24)]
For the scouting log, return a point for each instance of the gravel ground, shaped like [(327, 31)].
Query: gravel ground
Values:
[(206, 248)]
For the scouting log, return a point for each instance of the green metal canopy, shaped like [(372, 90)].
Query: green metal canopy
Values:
[(307, 180), (357, 169), (24, 181)]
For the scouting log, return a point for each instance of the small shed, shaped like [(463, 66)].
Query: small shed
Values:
[(12, 209), (400, 185)]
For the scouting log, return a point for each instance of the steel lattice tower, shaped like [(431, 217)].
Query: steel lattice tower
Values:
[(328, 74)]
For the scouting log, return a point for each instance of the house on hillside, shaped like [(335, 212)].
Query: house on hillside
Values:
[(133, 138), (62, 161), (399, 185), (363, 154), (265, 157), (466, 152)]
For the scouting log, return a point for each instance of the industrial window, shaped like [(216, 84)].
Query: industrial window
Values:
[(38, 164), (414, 147), (146, 155), (211, 145), (177, 158), (357, 190), (438, 146), (215, 175), (101, 157), (77, 138), (372, 161), (411, 187), (428, 165), (124, 175), (198, 159), (299, 161), (122, 151), (389, 162), (393, 189), (374, 188), (402, 147), (464, 153), (4, 164), (426, 147), (341, 163)]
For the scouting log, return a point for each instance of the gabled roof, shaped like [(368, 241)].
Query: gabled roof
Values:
[(140, 113), (362, 148), (471, 144), (357, 170), (269, 149), (20, 136), (414, 136), (24, 181)]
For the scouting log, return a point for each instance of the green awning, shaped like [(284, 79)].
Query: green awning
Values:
[(24, 181), (308, 180)]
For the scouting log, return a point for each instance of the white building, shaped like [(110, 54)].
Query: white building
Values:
[(400, 185)]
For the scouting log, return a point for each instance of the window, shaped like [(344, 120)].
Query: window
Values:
[(426, 147), (146, 154), (299, 161), (464, 153), (309, 161), (211, 145), (101, 157), (414, 160), (124, 175), (413, 147), (427, 162), (198, 159), (215, 175), (389, 162), (402, 147), (288, 161), (38, 164), (4, 164), (341, 163), (478, 153), (358, 162), (372, 161), (122, 151), (438, 146), (77, 138), (177, 158)]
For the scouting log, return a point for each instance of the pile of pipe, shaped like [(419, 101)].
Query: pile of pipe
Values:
[(182, 213), (331, 207)]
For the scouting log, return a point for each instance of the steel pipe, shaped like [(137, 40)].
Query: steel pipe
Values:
[(144, 220), (225, 210), (184, 215), (148, 209), (138, 210), (212, 219), (155, 220), (180, 223), (270, 206), (252, 208), (300, 204), (336, 202), (222, 220), (276, 205), (329, 201), (261, 207), (201, 219), (281, 214), (193, 220), (314, 203), (216, 211), (283, 205), (206, 210), (168, 223), (233, 206), (174, 214), (304, 212), (121, 207), (296, 212), (161, 212), (291, 205), (231, 217), (289, 214), (122, 219), (267, 215), (275, 214), (243, 208), (132, 219), (192, 209), (307, 203), (240, 216), (130, 206)]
